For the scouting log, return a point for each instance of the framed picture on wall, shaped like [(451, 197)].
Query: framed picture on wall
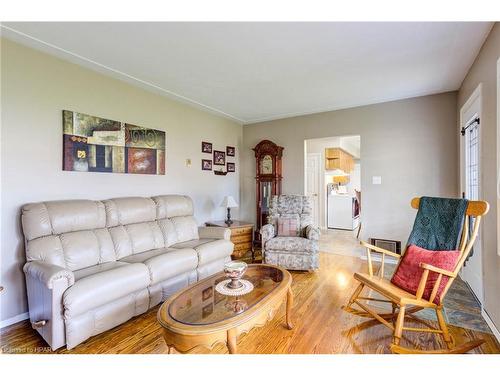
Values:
[(206, 147), (219, 158), (231, 167), (206, 165), (96, 144), (230, 151)]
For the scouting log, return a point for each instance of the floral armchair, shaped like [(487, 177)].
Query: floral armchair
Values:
[(293, 253)]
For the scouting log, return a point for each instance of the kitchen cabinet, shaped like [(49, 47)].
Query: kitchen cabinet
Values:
[(337, 158)]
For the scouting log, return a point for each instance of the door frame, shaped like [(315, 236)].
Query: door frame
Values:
[(316, 155), (498, 157), (476, 95)]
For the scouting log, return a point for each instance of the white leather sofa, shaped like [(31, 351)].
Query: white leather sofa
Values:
[(92, 265)]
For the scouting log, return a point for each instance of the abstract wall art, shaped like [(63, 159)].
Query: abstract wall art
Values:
[(95, 144)]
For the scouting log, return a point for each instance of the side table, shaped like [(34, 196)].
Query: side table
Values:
[(241, 237)]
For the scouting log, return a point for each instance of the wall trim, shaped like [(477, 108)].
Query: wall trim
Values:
[(14, 320), (115, 73), (490, 323)]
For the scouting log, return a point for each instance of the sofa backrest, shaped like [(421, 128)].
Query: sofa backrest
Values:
[(71, 234), (291, 206), (132, 225), (175, 216), (76, 234)]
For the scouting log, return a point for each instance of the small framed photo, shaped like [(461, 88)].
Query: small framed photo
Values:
[(207, 293), (231, 167), (230, 151), (206, 147), (219, 158), (206, 165)]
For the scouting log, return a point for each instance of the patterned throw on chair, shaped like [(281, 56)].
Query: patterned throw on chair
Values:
[(438, 223), (434, 240)]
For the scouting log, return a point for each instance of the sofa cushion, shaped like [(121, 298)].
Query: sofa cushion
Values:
[(145, 236), (168, 231), (56, 217), (168, 206), (103, 287), (84, 272), (193, 244), (141, 257), (46, 249), (292, 244), (209, 250), (185, 228), (170, 264), (130, 210)]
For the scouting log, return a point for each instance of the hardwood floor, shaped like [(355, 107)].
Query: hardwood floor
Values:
[(320, 326)]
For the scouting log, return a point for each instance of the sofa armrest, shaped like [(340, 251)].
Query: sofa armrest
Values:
[(313, 232), (266, 232), (215, 233), (46, 273), (45, 285)]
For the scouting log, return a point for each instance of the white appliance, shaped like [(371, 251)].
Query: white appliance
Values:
[(342, 212)]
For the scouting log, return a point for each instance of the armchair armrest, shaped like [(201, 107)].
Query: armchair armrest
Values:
[(313, 232), (214, 233), (384, 252), (266, 232), (47, 274), (425, 275), (429, 267), (379, 249)]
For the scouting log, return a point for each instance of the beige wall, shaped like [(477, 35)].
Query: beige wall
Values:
[(484, 70), (410, 143), (35, 89)]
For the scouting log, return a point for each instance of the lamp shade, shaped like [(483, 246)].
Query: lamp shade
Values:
[(228, 201), (340, 179)]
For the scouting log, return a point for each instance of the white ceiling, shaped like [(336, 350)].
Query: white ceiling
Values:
[(259, 71)]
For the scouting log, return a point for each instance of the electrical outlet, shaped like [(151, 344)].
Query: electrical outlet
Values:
[(188, 162), (377, 180)]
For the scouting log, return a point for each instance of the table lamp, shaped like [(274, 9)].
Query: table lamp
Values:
[(228, 202)]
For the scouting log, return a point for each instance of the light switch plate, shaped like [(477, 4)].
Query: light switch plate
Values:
[(188, 162), (376, 180)]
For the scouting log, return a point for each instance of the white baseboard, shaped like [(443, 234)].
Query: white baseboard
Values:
[(14, 320), (490, 323)]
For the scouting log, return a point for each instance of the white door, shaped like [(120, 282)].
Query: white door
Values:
[(312, 183), (470, 176)]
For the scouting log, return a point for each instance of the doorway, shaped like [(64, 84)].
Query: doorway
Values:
[(333, 179), (470, 182), (313, 170)]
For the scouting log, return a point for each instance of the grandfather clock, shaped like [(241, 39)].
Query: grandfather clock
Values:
[(268, 179)]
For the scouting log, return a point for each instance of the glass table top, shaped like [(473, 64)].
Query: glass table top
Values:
[(201, 304)]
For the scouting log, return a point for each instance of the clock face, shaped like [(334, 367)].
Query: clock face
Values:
[(266, 165)]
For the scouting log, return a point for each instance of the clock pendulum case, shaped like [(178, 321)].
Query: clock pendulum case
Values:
[(268, 178)]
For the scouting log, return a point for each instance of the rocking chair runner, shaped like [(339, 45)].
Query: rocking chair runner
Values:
[(408, 303)]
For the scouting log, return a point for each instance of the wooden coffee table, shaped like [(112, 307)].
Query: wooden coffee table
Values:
[(199, 316)]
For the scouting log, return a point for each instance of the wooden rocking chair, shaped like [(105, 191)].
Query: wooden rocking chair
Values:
[(407, 303)]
